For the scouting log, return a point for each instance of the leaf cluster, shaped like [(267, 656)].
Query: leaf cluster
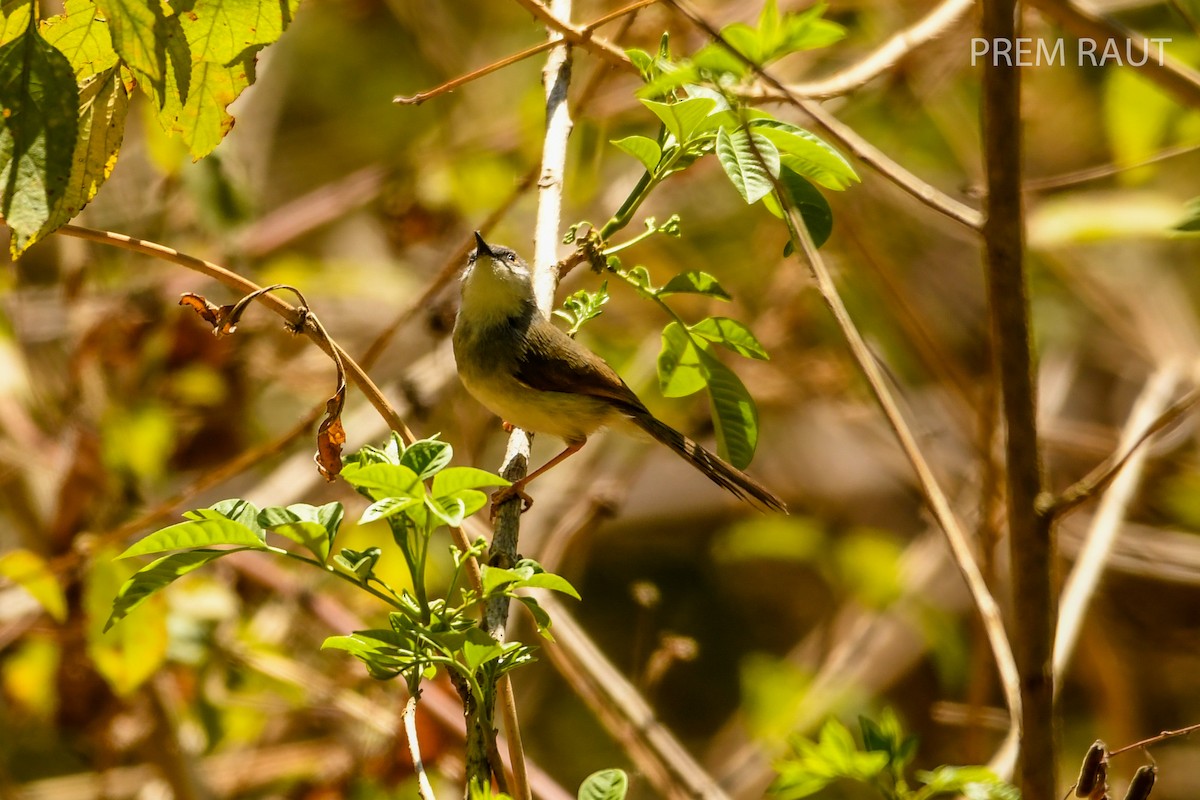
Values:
[(880, 764), (66, 82)]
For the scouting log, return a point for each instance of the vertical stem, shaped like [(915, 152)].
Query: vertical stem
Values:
[(1030, 533)]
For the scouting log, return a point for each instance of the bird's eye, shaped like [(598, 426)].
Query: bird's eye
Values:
[(511, 256)]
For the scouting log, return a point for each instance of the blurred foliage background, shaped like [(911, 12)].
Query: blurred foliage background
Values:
[(118, 410)]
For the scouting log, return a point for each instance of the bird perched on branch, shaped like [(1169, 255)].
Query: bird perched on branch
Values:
[(520, 365)]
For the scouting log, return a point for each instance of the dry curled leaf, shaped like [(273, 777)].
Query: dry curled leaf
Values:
[(217, 316), (331, 436)]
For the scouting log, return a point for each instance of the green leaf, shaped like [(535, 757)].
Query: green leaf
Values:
[(427, 457), (385, 653), (471, 500), (30, 571), (683, 118), (150, 42), (127, 656), (311, 526), (385, 480), (555, 583), (236, 509), (361, 565), (680, 371), (607, 784), (38, 130), (749, 171), (540, 617), (478, 648), (694, 282), (642, 148), (809, 202), (156, 575), (582, 306), (197, 533), (732, 334), (387, 507), (82, 35), (452, 479), (807, 154), (735, 416), (103, 106), (14, 19), (450, 510)]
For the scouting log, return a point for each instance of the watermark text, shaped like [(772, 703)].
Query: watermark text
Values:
[(1030, 52)]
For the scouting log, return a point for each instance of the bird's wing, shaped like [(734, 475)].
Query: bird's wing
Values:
[(551, 361)]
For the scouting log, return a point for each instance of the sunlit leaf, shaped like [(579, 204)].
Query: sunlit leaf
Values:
[(694, 282), (197, 533), (427, 457), (644, 149), (387, 507), (385, 480), (807, 154), (157, 575), (682, 118), (750, 160), (732, 334), (82, 35), (680, 371), (607, 784), (453, 479), (314, 527)]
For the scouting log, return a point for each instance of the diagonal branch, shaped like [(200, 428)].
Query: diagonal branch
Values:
[(1106, 471), (888, 54)]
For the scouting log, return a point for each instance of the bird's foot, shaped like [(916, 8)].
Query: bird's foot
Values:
[(508, 426), (502, 496)]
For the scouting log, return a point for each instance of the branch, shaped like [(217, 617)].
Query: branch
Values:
[(1099, 478), (888, 54), (239, 284), (1169, 74), (550, 16), (462, 80), (1031, 540), (424, 789), (1102, 535)]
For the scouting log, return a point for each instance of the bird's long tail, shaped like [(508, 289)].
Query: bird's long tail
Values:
[(718, 471)]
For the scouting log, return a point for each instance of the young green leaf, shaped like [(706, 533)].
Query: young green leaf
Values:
[(582, 306), (750, 160), (197, 533), (311, 526), (427, 457), (813, 207), (387, 507), (683, 118), (735, 416), (541, 619), (452, 479), (38, 130), (976, 783), (732, 334), (680, 371), (156, 575), (470, 500), (607, 784), (385, 480), (451, 510), (478, 648), (642, 148), (694, 282), (807, 154)]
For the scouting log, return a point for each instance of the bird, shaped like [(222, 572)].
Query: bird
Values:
[(521, 366)]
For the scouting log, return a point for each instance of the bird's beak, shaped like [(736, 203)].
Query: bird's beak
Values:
[(482, 245)]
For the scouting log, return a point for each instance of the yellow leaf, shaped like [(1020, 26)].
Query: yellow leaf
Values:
[(30, 572)]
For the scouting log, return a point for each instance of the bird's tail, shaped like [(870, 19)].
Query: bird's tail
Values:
[(718, 471)]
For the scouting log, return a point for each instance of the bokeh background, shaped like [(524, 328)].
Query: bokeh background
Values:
[(119, 410)]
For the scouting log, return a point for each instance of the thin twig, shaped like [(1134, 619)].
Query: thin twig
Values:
[(935, 497), (475, 74), (239, 284), (424, 788), (888, 54), (553, 20), (1104, 473), (1104, 170), (1102, 534), (1156, 739)]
